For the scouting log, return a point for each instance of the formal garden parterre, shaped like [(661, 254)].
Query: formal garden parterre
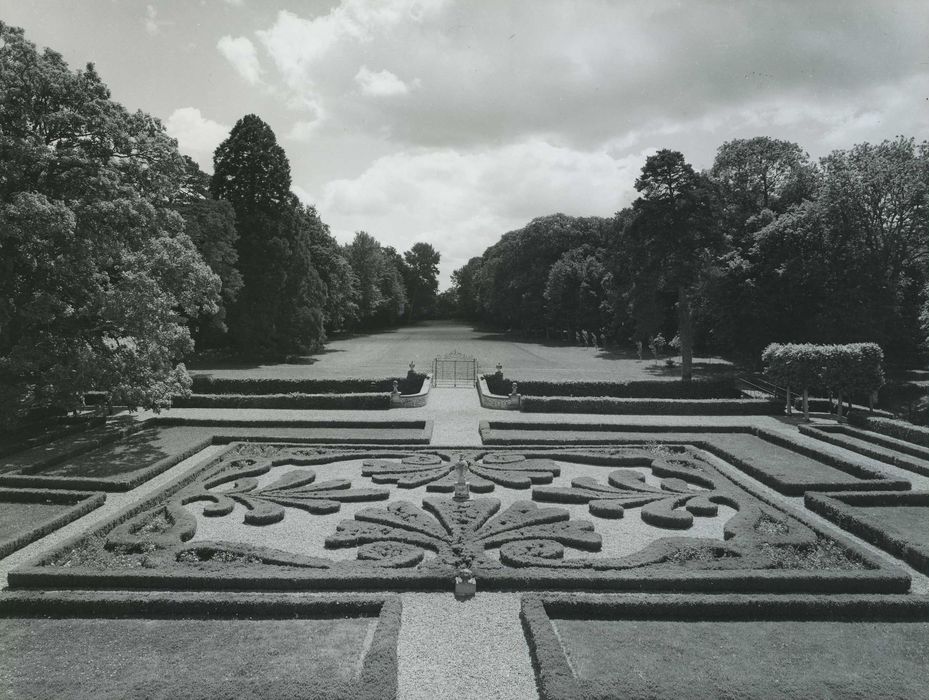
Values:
[(266, 516)]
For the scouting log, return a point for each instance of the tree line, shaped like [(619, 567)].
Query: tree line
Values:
[(765, 246), (117, 253)]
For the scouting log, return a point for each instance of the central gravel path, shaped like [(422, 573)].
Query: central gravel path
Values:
[(463, 649)]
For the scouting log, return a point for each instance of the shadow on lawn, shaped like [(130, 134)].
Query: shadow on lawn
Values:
[(133, 453)]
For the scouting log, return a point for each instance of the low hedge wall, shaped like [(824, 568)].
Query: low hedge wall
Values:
[(639, 389), (205, 384), (615, 406), (899, 429), (356, 401)]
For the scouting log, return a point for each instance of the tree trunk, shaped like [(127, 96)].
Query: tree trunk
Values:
[(685, 331), (806, 404), (789, 408), (838, 408)]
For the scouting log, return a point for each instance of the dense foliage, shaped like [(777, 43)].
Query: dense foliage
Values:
[(97, 275), (855, 369), (765, 246)]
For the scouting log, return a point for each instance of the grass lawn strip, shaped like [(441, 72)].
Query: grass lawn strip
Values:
[(128, 457), (120, 465), (872, 445), (872, 576), (660, 646), (68, 446), (27, 515), (114, 645), (896, 522)]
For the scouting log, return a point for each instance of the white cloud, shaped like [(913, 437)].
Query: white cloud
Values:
[(152, 25), (240, 52), (380, 84), (297, 44), (196, 135), (461, 201)]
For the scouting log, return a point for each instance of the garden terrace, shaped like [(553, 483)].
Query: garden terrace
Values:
[(182, 645), (784, 464), (880, 447), (121, 459), (895, 522), (27, 515), (663, 646), (276, 516)]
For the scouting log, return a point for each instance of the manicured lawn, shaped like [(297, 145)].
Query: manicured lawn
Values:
[(17, 517), (132, 453), (388, 353), (750, 659), (135, 658)]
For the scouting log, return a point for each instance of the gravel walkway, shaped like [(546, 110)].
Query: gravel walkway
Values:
[(466, 650)]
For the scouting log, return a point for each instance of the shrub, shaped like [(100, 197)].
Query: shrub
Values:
[(640, 389), (203, 384), (356, 401), (852, 369), (899, 429), (609, 405)]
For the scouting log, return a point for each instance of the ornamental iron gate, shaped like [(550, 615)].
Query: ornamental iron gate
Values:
[(454, 370)]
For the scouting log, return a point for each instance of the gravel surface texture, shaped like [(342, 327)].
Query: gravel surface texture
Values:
[(463, 650), (302, 533)]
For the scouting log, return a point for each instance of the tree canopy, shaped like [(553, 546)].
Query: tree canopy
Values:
[(97, 275)]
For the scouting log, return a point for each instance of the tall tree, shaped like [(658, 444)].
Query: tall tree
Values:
[(211, 225), (674, 236), (279, 310), (97, 276), (422, 278)]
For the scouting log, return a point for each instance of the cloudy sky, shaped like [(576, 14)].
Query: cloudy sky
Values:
[(452, 122)]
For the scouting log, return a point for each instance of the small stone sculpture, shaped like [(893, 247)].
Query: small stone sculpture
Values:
[(465, 584), (462, 492)]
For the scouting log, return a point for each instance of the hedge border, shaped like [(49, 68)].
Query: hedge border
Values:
[(680, 407), (22, 479), (334, 402), (556, 679), (81, 504), (898, 429), (888, 453), (257, 386), (377, 678), (840, 509), (874, 480), (633, 389), (880, 578)]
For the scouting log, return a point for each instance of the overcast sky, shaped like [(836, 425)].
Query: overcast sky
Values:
[(452, 122)]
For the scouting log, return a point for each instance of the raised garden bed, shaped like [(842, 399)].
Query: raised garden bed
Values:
[(273, 516), (880, 447), (668, 646), (895, 522), (124, 458), (785, 465), (118, 646), (27, 515), (333, 402)]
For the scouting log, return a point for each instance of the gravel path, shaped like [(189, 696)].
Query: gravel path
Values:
[(463, 650)]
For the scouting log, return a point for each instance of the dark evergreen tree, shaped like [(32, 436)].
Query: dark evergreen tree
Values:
[(280, 308)]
